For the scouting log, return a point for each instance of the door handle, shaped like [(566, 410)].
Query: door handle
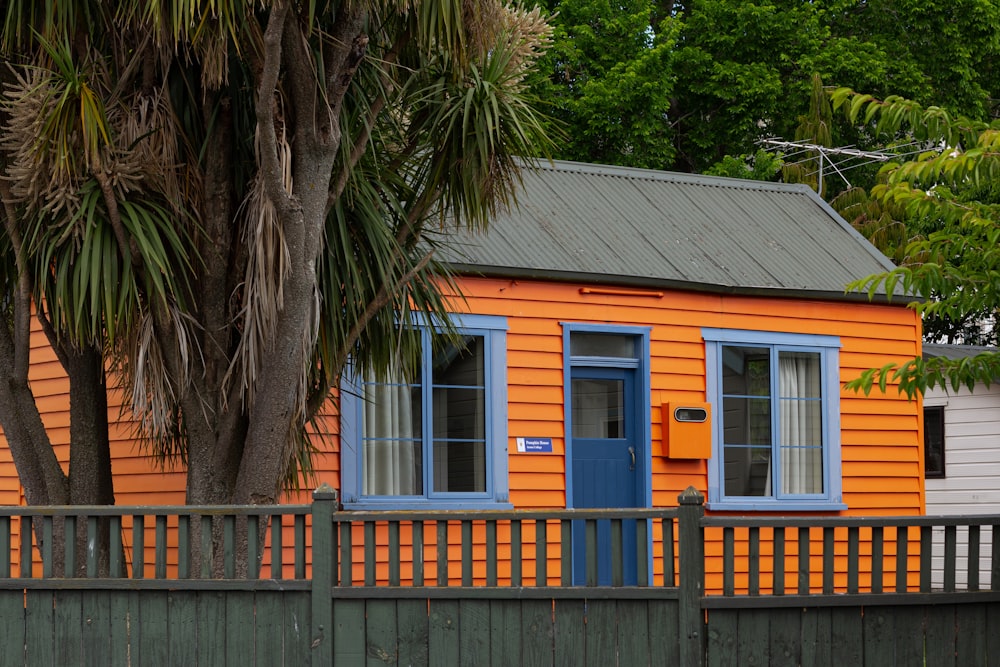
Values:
[(631, 451)]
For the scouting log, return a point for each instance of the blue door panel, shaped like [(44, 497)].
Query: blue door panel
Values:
[(606, 470)]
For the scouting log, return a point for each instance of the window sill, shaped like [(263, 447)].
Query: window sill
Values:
[(776, 506), (428, 505)]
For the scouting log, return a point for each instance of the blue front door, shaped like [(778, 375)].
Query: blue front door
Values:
[(607, 460)]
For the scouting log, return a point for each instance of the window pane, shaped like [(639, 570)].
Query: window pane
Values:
[(748, 471), (934, 441), (601, 345), (598, 409), (800, 414), (799, 374), (392, 451), (459, 413), (802, 470), (801, 422), (459, 467), (746, 421), (461, 364), (746, 371), (458, 417)]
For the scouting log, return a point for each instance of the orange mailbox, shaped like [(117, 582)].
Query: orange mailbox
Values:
[(687, 430)]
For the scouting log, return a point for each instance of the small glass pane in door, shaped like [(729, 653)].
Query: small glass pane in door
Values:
[(598, 409)]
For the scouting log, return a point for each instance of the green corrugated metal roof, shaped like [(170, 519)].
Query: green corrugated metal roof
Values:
[(601, 224), (954, 351)]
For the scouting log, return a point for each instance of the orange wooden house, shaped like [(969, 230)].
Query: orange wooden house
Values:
[(627, 334)]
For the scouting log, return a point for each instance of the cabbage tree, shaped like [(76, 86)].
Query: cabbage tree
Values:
[(224, 200)]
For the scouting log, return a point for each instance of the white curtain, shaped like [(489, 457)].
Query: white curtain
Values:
[(801, 430), (391, 448)]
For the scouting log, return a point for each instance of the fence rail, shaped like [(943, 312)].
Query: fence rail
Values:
[(760, 556), (515, 548), (158, 543), (834, 555)]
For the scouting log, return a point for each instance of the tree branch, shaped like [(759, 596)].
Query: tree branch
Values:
[(361, 142), (126, 245), (22, 298), (266, 131), (344, 54)]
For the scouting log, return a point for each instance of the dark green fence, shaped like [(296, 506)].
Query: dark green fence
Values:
[(310, 585)]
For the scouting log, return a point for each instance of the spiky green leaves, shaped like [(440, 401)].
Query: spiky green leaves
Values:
[(88, 286)]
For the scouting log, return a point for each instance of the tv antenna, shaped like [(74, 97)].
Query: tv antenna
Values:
[(837, 159)]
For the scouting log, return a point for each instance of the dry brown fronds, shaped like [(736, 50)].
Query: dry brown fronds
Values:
[(213, 51), (148, 131), (40, 174), (264, 280), (146, 377)]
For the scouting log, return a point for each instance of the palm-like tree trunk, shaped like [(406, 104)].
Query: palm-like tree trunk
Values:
[(90, 481)]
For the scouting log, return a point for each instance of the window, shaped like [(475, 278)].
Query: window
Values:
[(435, 437), (776, 431), (934, 441)]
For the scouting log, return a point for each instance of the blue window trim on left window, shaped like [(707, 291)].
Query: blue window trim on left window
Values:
[(493, 329), (829, 349)]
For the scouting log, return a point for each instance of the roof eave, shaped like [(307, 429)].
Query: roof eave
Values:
[(660, 283)]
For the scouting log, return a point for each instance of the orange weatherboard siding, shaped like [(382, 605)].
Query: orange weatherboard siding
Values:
[(880, 438), (880, 434)]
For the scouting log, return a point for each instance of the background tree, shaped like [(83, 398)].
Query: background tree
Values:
[(231, 198), (942, 54), (607, 82), (955, 264), (681, 85)]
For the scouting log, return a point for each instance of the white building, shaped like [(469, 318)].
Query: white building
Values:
[(962, 458)]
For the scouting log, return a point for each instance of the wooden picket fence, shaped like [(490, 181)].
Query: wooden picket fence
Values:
[(322, 586)]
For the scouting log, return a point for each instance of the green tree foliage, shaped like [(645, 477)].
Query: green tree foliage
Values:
[(682, 84), (761, 166), (942, 53), (609, 81), (952, 261)]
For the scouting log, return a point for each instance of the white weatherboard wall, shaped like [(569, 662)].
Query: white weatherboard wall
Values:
[(971, 484)]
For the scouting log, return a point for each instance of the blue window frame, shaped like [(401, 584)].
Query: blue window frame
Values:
[(776, 428), (436, 438)]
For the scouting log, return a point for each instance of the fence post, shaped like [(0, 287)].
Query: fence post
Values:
[(321, 633), (691, 553)]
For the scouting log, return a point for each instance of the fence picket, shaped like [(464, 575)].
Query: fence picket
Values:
[(828, 567), (69, 547), (779, 560), (972, 559), (805, 567), (160, 547), (950, 547), (853, 565), (902, 553), (878, 547)]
